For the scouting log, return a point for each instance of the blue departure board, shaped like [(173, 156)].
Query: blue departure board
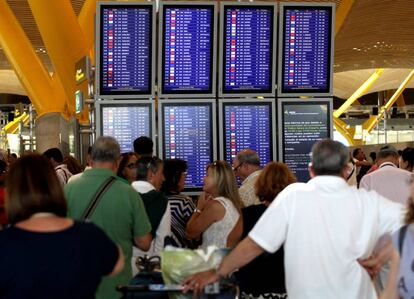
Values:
[(248, 49), (125, 49), (306, 49), (302, 124), (248, 126), (187, 134), (126, 123), (187, 52)]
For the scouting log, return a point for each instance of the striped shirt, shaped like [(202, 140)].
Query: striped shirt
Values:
[(182, 207)]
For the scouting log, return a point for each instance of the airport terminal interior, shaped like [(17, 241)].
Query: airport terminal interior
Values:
[(175, 124)]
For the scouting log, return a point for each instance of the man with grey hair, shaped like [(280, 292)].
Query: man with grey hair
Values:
[(246, 166), (389, 180), (119, 211), (326, 227)]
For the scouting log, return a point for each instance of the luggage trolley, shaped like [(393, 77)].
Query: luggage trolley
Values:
[(148, 284), (223, 290)]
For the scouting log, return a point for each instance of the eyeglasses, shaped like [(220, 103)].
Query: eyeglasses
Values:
[(131, 166), (235, 169)]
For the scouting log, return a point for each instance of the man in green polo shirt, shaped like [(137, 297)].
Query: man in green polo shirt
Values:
[(120, 211)]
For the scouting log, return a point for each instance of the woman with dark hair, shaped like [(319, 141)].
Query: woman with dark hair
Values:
[(407, 159), (44, 254), (127, 168), (401, 276), (265, 276), (73, 165), (181, 206)]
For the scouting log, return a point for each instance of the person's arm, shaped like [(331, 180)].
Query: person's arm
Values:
[(390, 215), (142, 226), (268, 234), (143, 242), (119, 265), (362, 163), (236, 233), (391, 291), (203, 218), (243, 254), (374, 263), (61, 177)]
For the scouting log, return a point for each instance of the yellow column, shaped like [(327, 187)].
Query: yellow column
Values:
[(86, 21), (359, 92), (27, 65), (345, 131), (64, 40), (373, 120)]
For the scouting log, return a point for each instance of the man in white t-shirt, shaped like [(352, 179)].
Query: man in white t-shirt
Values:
[(326, 227), (56, 159)]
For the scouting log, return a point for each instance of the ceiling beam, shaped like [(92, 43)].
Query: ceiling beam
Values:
[(373, 120), (26, 63), (359, 92), (64, 41), (341, 14)]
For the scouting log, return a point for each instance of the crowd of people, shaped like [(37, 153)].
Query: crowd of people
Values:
[(74, 232)]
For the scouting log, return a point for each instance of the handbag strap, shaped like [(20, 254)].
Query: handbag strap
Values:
[(95, 199), (352, 172), (401, 237)]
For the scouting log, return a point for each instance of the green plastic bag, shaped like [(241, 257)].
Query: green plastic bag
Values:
[(177, 264)]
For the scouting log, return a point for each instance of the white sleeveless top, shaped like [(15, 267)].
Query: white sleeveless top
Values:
[(216, 234)]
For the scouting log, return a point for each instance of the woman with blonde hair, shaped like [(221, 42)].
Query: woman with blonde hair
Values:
[(218, 209)]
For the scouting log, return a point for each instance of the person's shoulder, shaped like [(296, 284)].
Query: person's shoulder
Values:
[(4, 234), (366, 179), (369, 196), (157, 193), (124, 188), (87, 229), (293, 188), (253, 209), (404, 172), (292, 193), (181, 201), (217, 203)]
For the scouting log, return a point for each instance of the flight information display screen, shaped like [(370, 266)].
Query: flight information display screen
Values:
[(126, 123), (302, 125), (187, 52), (126, 49), (306, 49), (248, 126), (248, 49), (188, 135)]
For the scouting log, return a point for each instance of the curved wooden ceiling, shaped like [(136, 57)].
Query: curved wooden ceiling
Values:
[(376, 33)]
